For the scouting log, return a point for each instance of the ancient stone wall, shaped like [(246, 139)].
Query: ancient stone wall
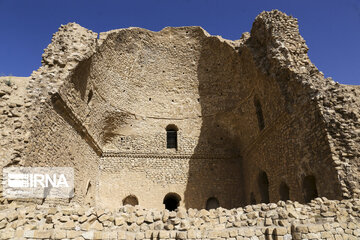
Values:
[(340, 108), (256, 121), (144, 81), (284, 58), (293, 143), (320, 219), (58, 137), (13, 102), (151, 177)]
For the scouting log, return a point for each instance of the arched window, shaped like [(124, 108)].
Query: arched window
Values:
[(212, 203), (310, 190), (130, 200), (263, 187), (171, 136), (172, 201), (259, 114), (284, 192)]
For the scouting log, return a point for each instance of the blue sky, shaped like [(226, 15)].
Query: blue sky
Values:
[(331, 28)]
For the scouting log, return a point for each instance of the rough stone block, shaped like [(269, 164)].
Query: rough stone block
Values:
[(181, 235), (280, 231), (121, 235), (8, 234), (139, 235), (130, 236), (315, 228), (73, 234), (44, 234), (68, 225), (88, 235), (96, 226)]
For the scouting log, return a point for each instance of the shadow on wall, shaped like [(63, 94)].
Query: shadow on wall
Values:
[(225, 81), (80, 78), (215, 177)]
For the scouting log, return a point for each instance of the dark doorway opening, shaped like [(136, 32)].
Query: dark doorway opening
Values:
[(263, 182), (130, 200), (212, 203), (171, 201), (284, 192), (310, 190)]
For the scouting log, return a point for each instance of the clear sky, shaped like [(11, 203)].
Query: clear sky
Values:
[(331, 28)]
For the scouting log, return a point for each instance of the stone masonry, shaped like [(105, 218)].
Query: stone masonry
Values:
[(248, 129)]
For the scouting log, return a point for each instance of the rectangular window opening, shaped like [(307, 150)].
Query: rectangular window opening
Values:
[(171, 139)]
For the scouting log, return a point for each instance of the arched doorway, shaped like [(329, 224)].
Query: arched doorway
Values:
[(212, 203), (263, 182), (172, 201), (284, 192), (130, 200), (310, 189)]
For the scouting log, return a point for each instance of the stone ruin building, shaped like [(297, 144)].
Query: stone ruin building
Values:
[(186, 116), (181, 118)]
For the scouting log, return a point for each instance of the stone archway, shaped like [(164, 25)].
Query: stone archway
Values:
[(172, 201), (263, 182), (130, 200), (212, 203), (309, 188), (284, 192)]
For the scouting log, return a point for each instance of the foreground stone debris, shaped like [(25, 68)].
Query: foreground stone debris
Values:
[(320, 219)]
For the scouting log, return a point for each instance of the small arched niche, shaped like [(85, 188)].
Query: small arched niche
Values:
[(309, 187), (284, 192), (259, 113), (171, 136), (90, 95), (263, 183), (172, 201), (212, 203), (131, 200)]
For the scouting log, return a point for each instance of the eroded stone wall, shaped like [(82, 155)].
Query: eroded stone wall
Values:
[(293, 143), (58, 137), (340, 108), (14, 103)]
